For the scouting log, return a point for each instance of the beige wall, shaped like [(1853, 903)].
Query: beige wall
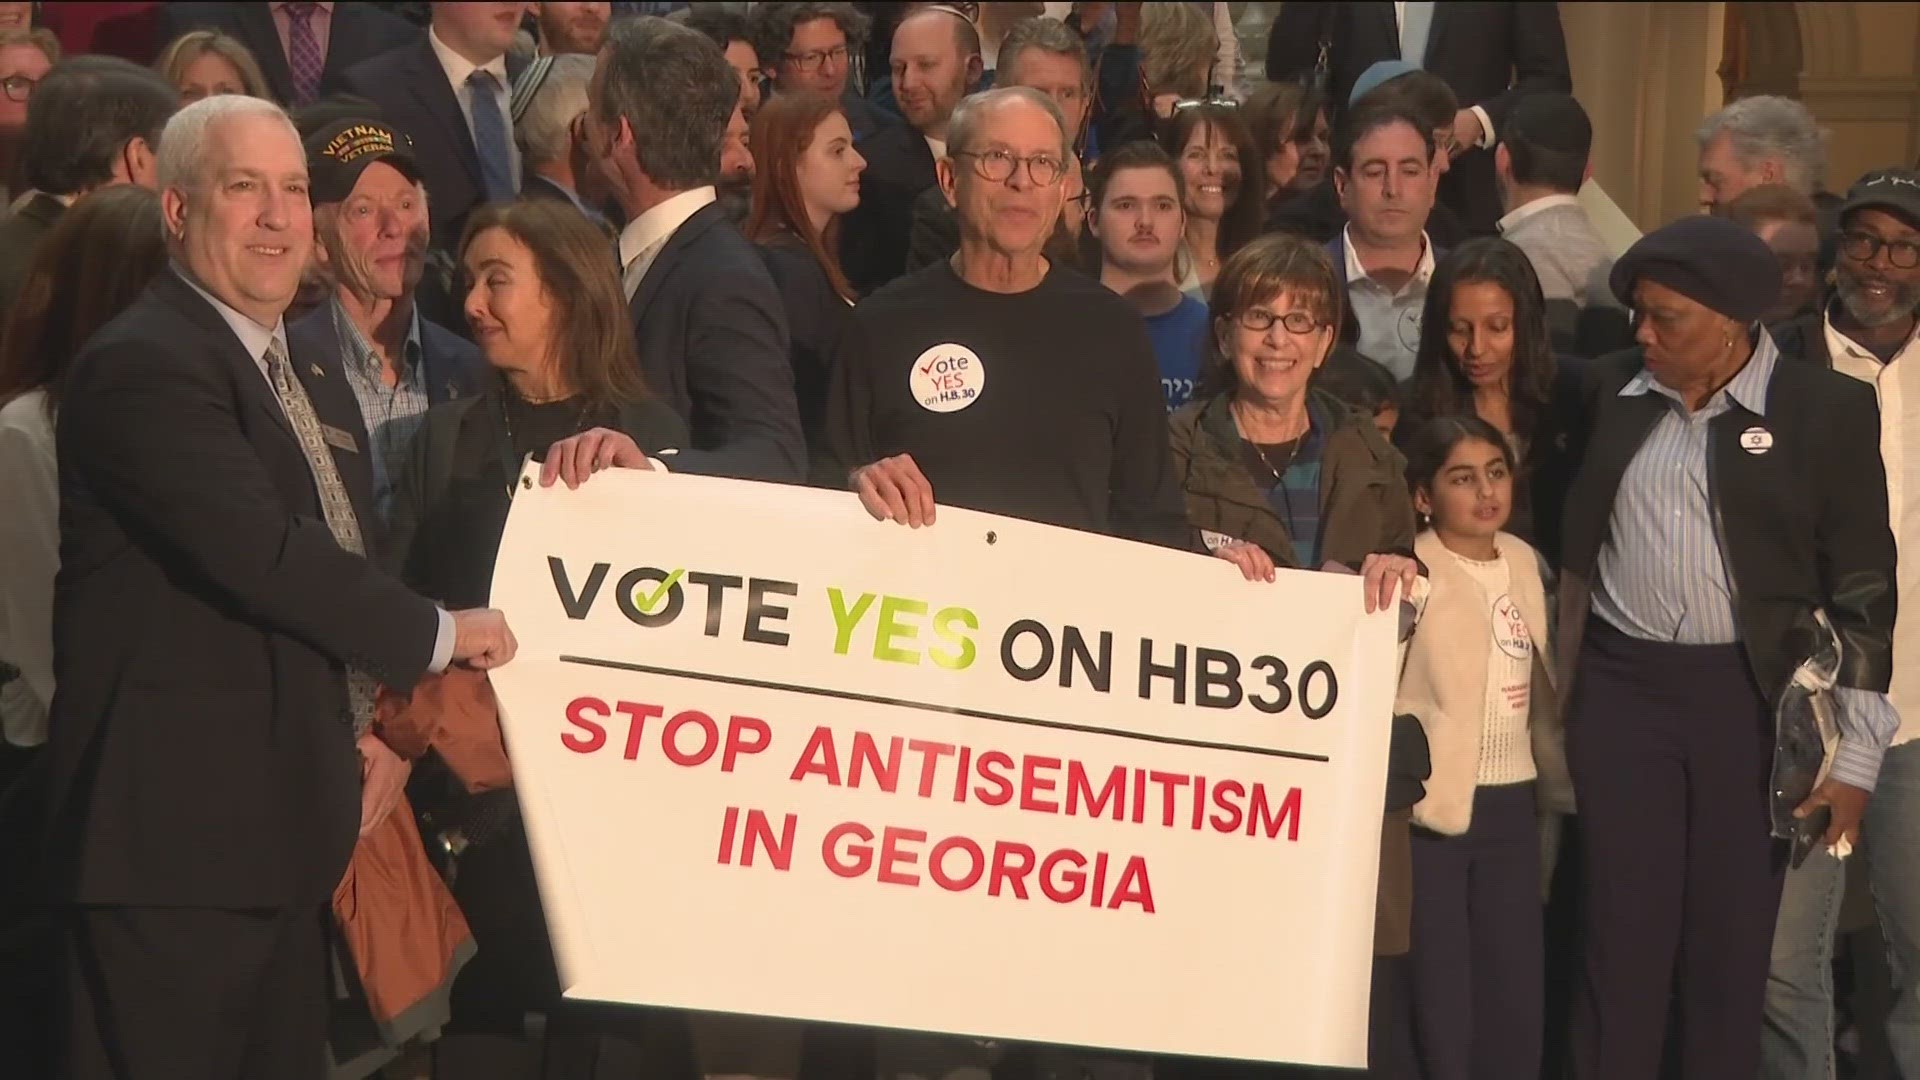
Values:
[(1648, 73)]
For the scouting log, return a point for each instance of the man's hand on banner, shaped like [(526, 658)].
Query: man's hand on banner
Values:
[(481, 639), (573, 460), (894, 489)]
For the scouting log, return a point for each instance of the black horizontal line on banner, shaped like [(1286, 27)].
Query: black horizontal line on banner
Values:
[(978, 714)]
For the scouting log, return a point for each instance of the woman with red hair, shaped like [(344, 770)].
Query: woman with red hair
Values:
[(806, 177)]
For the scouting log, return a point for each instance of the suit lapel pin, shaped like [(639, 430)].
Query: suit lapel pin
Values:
[(317, 373), (1756, 440)]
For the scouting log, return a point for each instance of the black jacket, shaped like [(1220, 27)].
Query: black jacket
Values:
[(874, 237), (815, 315), (199, 751), (20, 236), (356, 32), (1803, 525), (713, 344), (1482, 50), (414, 96)]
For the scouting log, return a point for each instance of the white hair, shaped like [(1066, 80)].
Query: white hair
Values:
[(182, 159), (1766, 127), (543, 131), (974, 108)]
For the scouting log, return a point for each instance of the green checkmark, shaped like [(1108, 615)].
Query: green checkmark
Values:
[(647, 601)]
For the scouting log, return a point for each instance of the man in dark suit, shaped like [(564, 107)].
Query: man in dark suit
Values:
[(808, 46), (370, 229), (93, 121), (218, 636), (450, 94), (298, 45), (549, 110), (936, 60), (1482, 50), (710, 326)]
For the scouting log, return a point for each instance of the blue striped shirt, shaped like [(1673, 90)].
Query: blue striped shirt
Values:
[(1662, 574)]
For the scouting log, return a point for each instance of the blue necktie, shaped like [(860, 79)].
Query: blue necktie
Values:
[(490, 138)]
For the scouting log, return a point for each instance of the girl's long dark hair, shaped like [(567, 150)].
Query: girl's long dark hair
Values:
[(1438, 388), (1432, 442), (95, 262)]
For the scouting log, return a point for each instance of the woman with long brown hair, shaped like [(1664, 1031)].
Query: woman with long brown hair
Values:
[(806, 177), (546, 307), (94, 263), (1225, 185)]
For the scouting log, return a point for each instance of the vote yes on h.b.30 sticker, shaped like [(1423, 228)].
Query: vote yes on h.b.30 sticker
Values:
[(947, 378)]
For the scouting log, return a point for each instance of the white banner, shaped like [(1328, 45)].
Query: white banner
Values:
[(989, 777)]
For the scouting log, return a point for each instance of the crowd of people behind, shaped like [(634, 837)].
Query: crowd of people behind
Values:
[(289, 290)]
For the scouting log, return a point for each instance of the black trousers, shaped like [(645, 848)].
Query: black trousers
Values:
[(1670, 747), (1478, 957), (194, 994)]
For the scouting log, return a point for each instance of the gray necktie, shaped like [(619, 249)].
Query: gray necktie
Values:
[(1415, 23), (335, 505), (491, 140)]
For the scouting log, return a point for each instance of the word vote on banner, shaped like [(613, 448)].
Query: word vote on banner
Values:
[(989, 777)]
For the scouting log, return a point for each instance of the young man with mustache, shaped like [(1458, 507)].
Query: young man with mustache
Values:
[(1138, 215)]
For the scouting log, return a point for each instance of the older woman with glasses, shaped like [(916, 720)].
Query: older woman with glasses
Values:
[(1277, 474)]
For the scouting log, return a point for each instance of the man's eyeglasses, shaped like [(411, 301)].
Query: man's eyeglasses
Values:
[(809, 62), (998, 165), (18, 87), (1260, 320), (1862, 247)]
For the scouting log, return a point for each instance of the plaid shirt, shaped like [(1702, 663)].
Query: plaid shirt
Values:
[(1295, 497), (392, 413)]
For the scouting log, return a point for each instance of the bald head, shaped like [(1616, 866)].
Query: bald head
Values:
[(936, 58)]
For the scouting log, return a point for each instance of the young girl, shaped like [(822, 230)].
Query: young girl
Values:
[(1479, 677)]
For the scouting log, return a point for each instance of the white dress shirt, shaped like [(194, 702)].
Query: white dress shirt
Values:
[(30, 551), (1897, 384), (255, 338), (1389, 320), (644, 236), (459, 69), (1545, 202)]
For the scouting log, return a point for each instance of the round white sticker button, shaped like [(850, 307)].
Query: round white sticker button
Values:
[(1756, 440), (947, 378)]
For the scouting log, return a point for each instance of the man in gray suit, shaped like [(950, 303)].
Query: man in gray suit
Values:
[(1540, 163)]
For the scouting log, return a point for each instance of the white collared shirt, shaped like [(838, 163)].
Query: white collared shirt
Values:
[(644, 236), (1545, 202), (1897, 384), (459, 69), (1389, 321), (253, 337)]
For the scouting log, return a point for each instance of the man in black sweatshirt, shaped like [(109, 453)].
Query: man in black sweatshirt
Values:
[(1002, 381)]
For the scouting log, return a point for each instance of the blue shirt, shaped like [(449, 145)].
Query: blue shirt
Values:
[(1662, 573), (1179, 337)]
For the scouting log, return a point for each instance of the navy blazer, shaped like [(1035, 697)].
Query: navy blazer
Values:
[(454, 366), (1484, 51), (713, 344), (356, 32), (199, 753), (414, 96)]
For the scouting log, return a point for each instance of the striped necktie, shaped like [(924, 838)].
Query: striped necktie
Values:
[(491, 138), (335, 505)]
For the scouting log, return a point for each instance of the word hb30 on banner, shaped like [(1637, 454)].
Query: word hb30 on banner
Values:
[(989, 778)]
